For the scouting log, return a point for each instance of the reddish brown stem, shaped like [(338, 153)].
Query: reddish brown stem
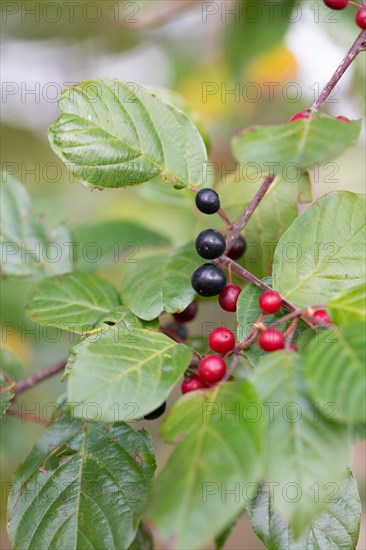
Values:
[(28, 417), (249, 211), (358, 46), (38, 377), (224, 261)]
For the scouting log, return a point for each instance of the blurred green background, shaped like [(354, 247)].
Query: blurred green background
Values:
[(235, 63)]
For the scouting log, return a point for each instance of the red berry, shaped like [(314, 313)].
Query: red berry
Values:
[(188, 314), (343, 118), (221, 340), (270, 301), (212, 368), (192, 384), (229, 297), (271, 339), (299, 116), (360, 18), (322, 316), (336, 4)]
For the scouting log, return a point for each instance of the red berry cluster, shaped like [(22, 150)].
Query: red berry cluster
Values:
[(211, 368), (360, 16), (210, 280), (270, 338)]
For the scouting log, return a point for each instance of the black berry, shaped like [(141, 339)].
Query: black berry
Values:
[(237, 248), (207, 201), (181, 331), (187, 314), (155, 414), (210, 244), (208, 280)]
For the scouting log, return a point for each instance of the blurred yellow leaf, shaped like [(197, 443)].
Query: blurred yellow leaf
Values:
[(277, 65)]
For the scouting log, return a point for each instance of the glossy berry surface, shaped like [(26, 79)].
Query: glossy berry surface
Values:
[(336, 4), (208, 280), (207, 201), (343, 118), (360, 18), (212, 368), (210, 244), (322, 316), (299, 116), (192, 384), (155, 414), (270, 301), (237, 248), (221, 340), (229, 297), (271, 340), (187, 314)]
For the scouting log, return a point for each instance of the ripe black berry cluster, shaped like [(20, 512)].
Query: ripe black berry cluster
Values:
[(209, 279), (360, 16)]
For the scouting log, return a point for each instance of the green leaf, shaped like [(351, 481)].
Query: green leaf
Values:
[(335, 529), (72, 302), (221, 538), (11, 367), (102, 244), (123, 374), (28, 249), (221, 452), (82, 486), (247, 314), (295, 144), (114, 134), (348, 306), (304, 449), (6, 395), (274, 215), (143, 540), (323, 252), (336, 371), (179, 102), (161, 282), (11, 370)]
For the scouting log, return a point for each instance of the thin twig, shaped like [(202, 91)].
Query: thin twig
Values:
[(169, 331), (225, 217), (231, 369), (358, 46), (298, 312), (28, 417), (38, 377), (238, 226), (225, 261), (289, 333)]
